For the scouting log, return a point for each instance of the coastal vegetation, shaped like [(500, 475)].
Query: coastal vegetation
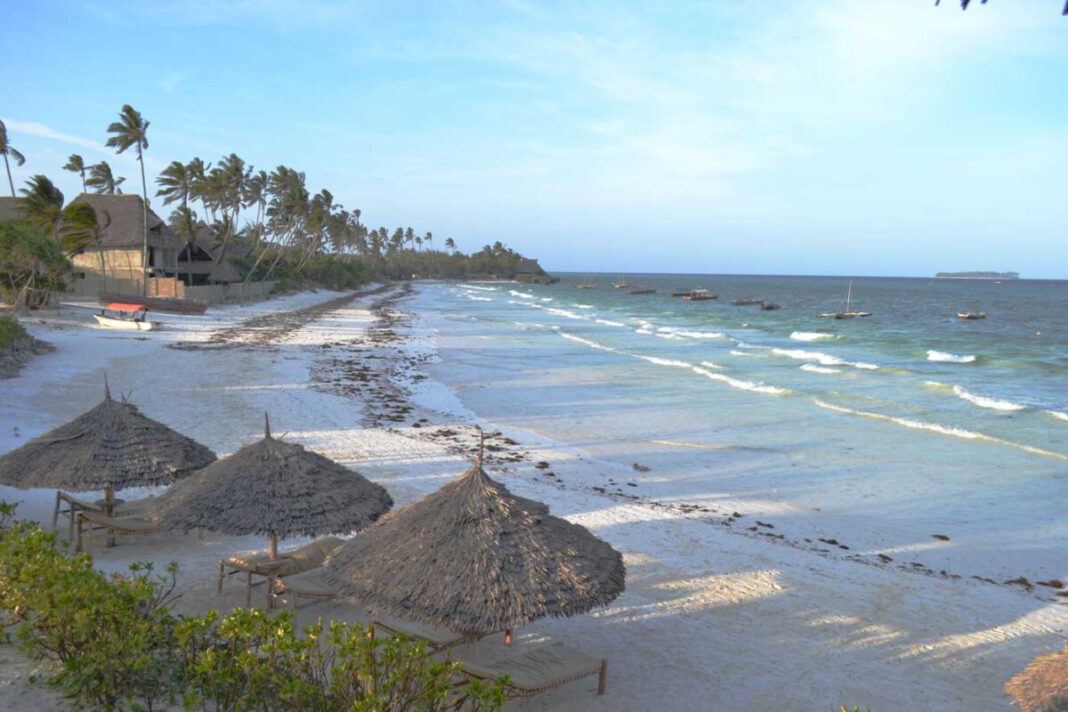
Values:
[(268, 224), (115, 643)]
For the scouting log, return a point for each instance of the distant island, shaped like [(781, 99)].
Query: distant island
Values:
[(978, 275)]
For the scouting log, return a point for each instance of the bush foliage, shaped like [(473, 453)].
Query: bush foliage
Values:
[(116, 644)]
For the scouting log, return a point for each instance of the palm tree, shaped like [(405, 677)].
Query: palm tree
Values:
[(132, 130), (227, 191), (183, 223), (8, 150), (198, 180), (450, 244), (175, 183), (42, 204), (429, 239), (256, 194), (102, 180), (75, 164), (81, 229)]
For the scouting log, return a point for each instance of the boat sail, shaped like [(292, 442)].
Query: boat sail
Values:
[(848, 313)]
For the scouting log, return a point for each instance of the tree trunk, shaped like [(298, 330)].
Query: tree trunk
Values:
[(144, 225), (9, 181), (255, 265)]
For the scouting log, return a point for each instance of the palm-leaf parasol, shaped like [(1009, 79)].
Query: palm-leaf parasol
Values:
[(276, 489), (1043, 685), (111, 447), (474, 558)]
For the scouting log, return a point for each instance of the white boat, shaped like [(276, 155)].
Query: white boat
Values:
[(848, 313), (130, 317)]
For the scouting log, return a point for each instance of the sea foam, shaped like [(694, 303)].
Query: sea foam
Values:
[(811, 336), (813, 368), (663, 361), (564, 313), (943, 357), (823, 359), (740, 384), (588, 342), (941, 429), (984, 402), (609, 322)]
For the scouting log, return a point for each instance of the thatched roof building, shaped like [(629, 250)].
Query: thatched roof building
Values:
[(1043, 685), (474, 558), (127, 218), (276, 489), (112, 446)]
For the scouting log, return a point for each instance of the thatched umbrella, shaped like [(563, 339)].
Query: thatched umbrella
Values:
[(276, 489), (1043, 685), (474, 558), (108, 448)]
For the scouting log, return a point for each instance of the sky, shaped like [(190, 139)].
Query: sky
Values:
[(845, 137)]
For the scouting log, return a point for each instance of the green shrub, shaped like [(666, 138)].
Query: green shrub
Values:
[(10, 329), (116, 644)]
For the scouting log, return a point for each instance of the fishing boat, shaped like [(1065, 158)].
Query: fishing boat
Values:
[(700, 295), (588, 284), (769, 306), (643, 290), (971, 316), (848, 313), (746, 302), (621, 284), (131, 317)]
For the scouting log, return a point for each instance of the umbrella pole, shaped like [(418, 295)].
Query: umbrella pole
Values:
[(272, 546), (109, 508)]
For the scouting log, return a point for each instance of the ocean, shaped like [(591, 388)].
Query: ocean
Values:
[(890, 428)]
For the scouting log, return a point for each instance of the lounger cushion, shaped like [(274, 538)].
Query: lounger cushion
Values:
[(551, 665), (313, 555), (309, 583)]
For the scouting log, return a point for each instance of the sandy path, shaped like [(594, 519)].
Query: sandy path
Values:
[(711, 619)]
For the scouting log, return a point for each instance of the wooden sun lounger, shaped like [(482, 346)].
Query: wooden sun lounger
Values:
[(438, 640), (67, 505), (310, 584), (308, 557), (89, 521), (541, 669)]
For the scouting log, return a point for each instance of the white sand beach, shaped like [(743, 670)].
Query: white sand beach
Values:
[(713, 616)]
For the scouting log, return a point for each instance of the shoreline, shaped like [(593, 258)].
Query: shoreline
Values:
[(352, 381)]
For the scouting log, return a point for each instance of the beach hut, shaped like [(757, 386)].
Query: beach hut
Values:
[(1043, 685), (109, 448), (275, 489), (474, 558)]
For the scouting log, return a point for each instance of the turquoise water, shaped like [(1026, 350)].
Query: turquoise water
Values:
[(908, 418)]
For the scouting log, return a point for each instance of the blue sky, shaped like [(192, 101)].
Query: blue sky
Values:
[(812, 136)]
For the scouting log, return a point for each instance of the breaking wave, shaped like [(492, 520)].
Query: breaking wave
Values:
[(813, 368), (943, 357), (811, 336), (941, 429), (740, 384), (984, 402)]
